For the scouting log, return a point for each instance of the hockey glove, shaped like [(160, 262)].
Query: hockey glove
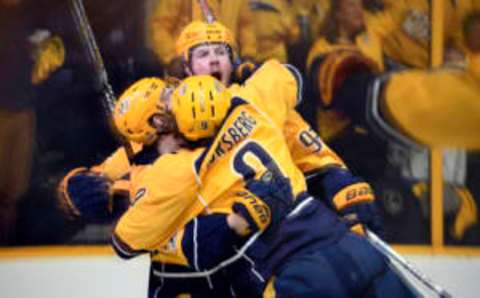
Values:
[(84, 194), (276, 192), (244, 70), (356, 204), (254, 210)]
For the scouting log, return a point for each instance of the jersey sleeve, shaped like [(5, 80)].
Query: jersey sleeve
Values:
[(309, 152), (274, 89), (164, 200), (117, 164)]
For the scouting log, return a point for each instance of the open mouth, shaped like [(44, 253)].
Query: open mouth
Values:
[(217, 75)]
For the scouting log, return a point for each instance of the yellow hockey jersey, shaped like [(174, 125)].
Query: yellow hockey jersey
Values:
[(117, 165), (251, 140), (164, 199), (155, 220)]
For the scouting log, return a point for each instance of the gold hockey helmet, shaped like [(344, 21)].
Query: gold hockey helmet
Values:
[(199, 105)]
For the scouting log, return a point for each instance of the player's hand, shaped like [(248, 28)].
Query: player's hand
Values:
[(251, 214), (86, 195), (355, 204), (364, 215), (276, 192)]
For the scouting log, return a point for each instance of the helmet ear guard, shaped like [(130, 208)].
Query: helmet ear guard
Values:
[(200, 104), (135, 108)]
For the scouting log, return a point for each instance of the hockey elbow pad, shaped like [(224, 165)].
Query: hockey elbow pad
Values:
[(86, 195)]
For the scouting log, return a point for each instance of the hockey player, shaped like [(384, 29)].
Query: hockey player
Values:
[(249, 153), (89, 193), (102, 193), (310, 152), (209, 49), (169, 18)]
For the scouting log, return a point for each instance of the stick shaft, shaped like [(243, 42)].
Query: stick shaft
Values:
[(206, 11), (89, 42), (385, 249)]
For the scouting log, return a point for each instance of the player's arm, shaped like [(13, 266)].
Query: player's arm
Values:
[(328, 178), (349, 195), (87, 195), (308, 150), (117, 165), (165, 198), (99, 193), (275, 89)]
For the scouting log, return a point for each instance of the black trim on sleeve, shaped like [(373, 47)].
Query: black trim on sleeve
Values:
[(298, 77), (123, 250)]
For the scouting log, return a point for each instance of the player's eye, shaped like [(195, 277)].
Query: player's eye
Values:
[(201, 53), (221, 50)]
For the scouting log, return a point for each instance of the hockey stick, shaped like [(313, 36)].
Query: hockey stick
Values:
[(391, 254), (206, 11), (85, 30)]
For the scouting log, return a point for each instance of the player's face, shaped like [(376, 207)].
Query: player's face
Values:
[(211, 59), (169, 143)]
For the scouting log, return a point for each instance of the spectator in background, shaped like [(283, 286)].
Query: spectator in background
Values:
[(309, 15), (343, 29), (28, 56), (171, 16), (404, 29), (358, 105), (275, 28)]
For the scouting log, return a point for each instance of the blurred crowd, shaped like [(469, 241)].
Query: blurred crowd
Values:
[(51, 117)]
